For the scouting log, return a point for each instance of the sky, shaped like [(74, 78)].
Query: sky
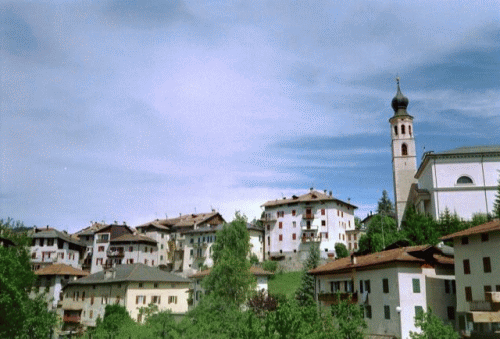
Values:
[(136, 110)]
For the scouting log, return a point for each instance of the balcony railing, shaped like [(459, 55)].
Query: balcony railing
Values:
[(102, 241), (107, 265), (308, 216), (118, 254), (199, 244), (311, 239), (268, 218), (71, 318), (480, 305), (309, 228), (332, 298)]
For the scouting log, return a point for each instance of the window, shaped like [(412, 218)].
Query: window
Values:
[(355, 245), (404, 149), (451, 312), (294, 236), (396, 130), (361, 286), (354, 235), (191, 252), (268, 241), (385, 285), (454, 287), (141, 285), (416, 285), (485, 237), (465, 240), (387, 312), (280, 224), (140, 299), (268, 228), (466, 266), (464, 180), (155, 285), (92, 300), (367, 286), (281, 237), (293, 212), (323, 222), (104, 300), (447, 286), (172, 299), (91, 314), (322, 211), (402, 129), (155, 299), (368, 311), (294, 223), (100, 249), (83, 295), (130, 261), (497, 288), (487, 265), (325, 234), (418, 310), (487, 289), (468, 293), (131, 249), (409, 130)]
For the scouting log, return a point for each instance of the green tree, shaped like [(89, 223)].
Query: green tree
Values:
[(305, 291), (357, 222), (162, 325), (496, 204), (479, 219), (341, 251), (450, 223), (419, 229), (230, 277), (431, 327), (270, 265), (382, 232), (348, 319), (385, 205)]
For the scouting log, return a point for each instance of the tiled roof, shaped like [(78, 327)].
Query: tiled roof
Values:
[(185, 220), (53, 233), (156, 224), (133, 238), (60, 269), (91, 229), (213, 229), (257, 271), (404, 254), (311, 196), (133, 272), (491, 226)]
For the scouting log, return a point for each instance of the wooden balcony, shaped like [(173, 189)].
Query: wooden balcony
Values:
[(71, 318), (309, 216), (115, 254), (333, 298), (268, 219)]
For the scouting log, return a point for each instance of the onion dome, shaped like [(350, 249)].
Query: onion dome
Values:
[(399, 102)]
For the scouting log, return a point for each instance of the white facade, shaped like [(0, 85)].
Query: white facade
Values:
[(162, 236), (291, 225), (464, 181), (53, 247)]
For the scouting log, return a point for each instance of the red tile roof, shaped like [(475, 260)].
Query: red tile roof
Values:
[(491, 226), (257, 271), (60, 269)]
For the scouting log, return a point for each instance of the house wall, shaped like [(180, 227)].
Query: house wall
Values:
[(257, 244), (40, 253), (162, 237)]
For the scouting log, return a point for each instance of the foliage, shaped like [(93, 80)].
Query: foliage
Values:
[(148, 311), (261, 303), (385, 205), (496, 204), (479, 219), (419, 229), (270, 265), (254, 260), (285, 283), (357, 223), (230, 277), (382, 232), (349, 320), (341, 251), (432, 327), (305, 292), (450, 223), (20, 316), (162, 325)]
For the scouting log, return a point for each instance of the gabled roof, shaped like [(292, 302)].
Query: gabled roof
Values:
[(414, 254), (60, 269), (53, 233), (130, 273), (105, 228), (90, 230), (312, 196), (213, 229), (185, 220), (133, 238), (491, 226), (257, 271), (156, 224)]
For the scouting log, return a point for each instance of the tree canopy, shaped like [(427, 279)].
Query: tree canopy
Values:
[(385, 205), (305, 292), (340, 250)]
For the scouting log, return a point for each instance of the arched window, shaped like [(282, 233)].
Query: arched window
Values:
[(396, 130), (409, 130), (404, 149), (402, 129), (464, 180)]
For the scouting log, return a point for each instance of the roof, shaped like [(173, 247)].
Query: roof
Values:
[(90, 230), (132, 272), (60, 269), (471, 151), (412, 254), (311, 196), (491, 226), (212, 229), (53, 233), (133, 238), (185, 220), (155, 224), (257, 271)]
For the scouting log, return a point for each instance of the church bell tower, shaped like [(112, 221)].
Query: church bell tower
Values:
[(404, 158)]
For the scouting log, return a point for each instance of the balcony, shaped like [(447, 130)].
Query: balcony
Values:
[(102, 241), (309, 228), (199, 244), (270, 218), (71, 318), (309, 216), (107, 265), (115, 254), (333, 298), (491, 304), (311, 239)]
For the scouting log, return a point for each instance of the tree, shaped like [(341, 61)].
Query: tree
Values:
[(385, 205), (357, 223), (305, 292), (382, 232), (420, 229), (162, 325), (348, 319), (496, 204), (230, 277), (432, 327), (261, 303), (341, 251)]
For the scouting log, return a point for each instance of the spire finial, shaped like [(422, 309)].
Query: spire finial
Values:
[(399, 101)]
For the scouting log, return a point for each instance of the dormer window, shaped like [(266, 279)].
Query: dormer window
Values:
[(464, 180)]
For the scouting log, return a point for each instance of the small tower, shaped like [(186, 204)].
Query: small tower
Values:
[(404, 158)]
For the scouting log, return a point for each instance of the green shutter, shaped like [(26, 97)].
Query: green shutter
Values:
[(416, 285)]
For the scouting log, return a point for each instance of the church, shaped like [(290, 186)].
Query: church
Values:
[(463, 180)]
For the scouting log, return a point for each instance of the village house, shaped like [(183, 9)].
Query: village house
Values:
[(132, 286), (393, 286), (477, 271)]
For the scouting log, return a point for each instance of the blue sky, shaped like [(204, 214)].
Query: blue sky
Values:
[(133, 110)]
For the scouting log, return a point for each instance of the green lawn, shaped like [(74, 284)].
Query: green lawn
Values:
[(285, 283)]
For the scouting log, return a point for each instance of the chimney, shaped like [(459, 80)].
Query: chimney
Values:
[(330, 193), (324, 191), (312, 188), (349, 200), (47, 226), (353, 259)]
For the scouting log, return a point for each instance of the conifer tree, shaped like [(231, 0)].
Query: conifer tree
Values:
[(496, 205), (305, 292), (385, 205)]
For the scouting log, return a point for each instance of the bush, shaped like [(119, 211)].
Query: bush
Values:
[(270, 265), (254, 260)]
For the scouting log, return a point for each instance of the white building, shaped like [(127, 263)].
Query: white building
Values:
[(161, 233), (463, 180), (392, 286), (50, 246), (477, 271), (199, 241), (261, 277), (291, 225), (132, 286)]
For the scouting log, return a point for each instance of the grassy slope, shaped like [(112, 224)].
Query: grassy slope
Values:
[(285, 283)]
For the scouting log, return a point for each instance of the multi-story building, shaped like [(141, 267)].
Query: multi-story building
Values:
[(50, 246), (261, 277), (393, 286), (51, 279), (198, 246), (477, 271), (162, 235), (131, 286), (86, 237), (291, 225), (353, 237)]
